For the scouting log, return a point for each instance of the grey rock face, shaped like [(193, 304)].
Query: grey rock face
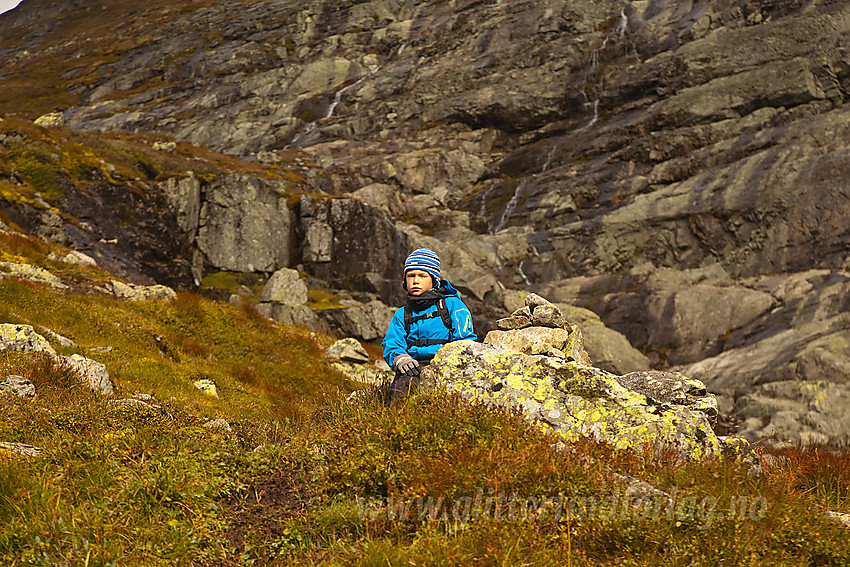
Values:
[(244, 225), (797, 412), (689, 321), (366, 321), (184, 198), (351, 244), (805, 337)]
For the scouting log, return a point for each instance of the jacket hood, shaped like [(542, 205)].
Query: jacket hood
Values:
[(447, 289)]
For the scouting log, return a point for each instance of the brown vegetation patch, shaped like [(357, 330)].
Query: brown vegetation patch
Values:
[(261, 511)]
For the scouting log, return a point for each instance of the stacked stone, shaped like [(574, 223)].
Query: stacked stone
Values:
[(540, 328)]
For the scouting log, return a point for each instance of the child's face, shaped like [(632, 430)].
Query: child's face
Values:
[(418, 282)]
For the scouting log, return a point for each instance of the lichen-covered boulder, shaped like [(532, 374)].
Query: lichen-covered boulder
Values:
[(285, 287), (134, 292), (633, 411), (77, 258), (348, 350), (375, 375), (51, 119), (207, 387), (22, 338), (31, 273), (18, 386), (92, 373)]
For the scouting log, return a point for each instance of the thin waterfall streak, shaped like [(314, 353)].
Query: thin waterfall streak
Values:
[(595, 117), (331, 108), (623, 23), (511, 206), (522, 274), (548, 158)]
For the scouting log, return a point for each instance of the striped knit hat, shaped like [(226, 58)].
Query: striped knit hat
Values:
[(426, 260)]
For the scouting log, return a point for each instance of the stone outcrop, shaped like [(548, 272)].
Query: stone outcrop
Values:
[(23, 338), (635, 411), (348, 350), (77, 258), (243, 223)]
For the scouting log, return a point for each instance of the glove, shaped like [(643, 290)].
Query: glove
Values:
[(406, 365)]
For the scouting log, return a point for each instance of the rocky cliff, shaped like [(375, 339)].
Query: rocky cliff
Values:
[(679, 168)]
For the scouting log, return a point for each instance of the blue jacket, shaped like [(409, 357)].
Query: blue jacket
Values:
[(396, 340)]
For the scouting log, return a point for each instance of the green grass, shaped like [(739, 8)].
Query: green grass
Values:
[(304, 477)]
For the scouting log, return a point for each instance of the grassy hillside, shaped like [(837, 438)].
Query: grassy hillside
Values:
[(292, 473), (74, 46)]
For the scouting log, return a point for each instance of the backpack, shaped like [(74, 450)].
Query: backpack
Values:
[(442, 312)]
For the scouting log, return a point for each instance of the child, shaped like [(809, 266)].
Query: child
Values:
[(434, 315)]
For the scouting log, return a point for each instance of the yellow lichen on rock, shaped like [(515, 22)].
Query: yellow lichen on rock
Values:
[(575, 400), (23, 338), (31, 273), (51, 119)]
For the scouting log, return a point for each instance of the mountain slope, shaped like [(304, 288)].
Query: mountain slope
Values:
[(678, 168)]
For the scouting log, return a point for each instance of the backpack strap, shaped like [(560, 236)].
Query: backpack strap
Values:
[(442, 312)]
